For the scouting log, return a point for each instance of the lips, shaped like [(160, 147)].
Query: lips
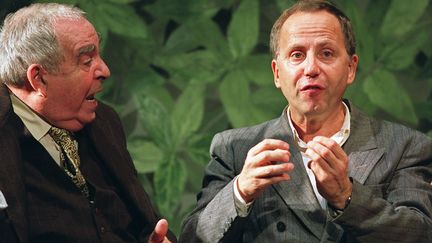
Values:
[(312, 87), (91, 96)]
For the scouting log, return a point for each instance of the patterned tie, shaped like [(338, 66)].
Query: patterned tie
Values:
[(71, 162)]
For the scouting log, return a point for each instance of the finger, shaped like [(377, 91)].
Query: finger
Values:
[(160, 231), (265, 182), (333, 146), (273, 170), (324, 153), (268, 144), (317, 164), (270, 157)]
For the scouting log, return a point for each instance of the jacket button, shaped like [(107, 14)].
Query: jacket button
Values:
[(280, 226)]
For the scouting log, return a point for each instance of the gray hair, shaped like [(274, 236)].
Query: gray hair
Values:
[(28, 37)]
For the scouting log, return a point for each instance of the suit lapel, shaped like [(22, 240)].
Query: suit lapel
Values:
[(109, 147), (102, 138), (299, 196), (11, 167), (361, 147), (297, 193)]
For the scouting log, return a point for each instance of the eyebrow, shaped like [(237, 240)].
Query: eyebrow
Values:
[(319, 44), (86, 49)]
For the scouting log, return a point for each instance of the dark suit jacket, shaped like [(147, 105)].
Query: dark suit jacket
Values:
[(391, 200), (105, 132)]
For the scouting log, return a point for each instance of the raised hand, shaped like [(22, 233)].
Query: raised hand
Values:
[(266, 163), (329, 164)]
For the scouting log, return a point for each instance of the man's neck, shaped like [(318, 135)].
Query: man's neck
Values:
[(310, 126), (28, 97)]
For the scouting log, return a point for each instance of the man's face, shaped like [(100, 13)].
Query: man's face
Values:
[(312, 67), (70, 102)]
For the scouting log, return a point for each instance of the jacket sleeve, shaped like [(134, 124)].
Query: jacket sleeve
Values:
[(215, 218)]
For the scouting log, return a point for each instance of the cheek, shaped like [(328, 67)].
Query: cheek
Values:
[(284, 71)]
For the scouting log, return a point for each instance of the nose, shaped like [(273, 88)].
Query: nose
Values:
[(102, 71), (311, 68)]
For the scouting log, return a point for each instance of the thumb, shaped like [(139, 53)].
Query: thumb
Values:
[(159, 232)]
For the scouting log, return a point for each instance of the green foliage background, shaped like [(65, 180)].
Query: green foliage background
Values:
[(183, 70)]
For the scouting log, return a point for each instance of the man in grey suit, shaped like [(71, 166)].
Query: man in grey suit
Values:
[(323, 171)]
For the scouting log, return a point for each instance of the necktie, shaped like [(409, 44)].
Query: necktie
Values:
[(71, 162)]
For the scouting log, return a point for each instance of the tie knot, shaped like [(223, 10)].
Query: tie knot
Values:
[(60, 136)]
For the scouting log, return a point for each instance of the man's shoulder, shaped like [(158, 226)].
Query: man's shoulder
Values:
[(253, 130), (387, 130), (105, 110), (242, 139), (106, 117)]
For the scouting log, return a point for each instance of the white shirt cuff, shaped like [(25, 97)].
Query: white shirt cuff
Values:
[(241, 206)]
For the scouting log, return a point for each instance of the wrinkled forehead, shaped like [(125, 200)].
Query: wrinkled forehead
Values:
[(311, 21), (74, 33)]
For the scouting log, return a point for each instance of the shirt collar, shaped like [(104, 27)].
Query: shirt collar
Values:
[(340, 137), (33, 122)]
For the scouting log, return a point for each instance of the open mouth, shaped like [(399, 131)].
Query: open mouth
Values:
[(90, 97)]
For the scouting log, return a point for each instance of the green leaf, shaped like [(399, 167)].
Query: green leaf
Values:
[(205, 66), (357, 94), (403, 55), (270, 101), (117, 18), (169, 179), (402, 17), (195, 33), (258, 69), (365, 41), (188, 111), (235, 96), (243, 29), (144, 78), (424, 110), (429, 133), (284, 4), (384, 90), (122, 1), (182, 11), (146, 155), (157, 122)]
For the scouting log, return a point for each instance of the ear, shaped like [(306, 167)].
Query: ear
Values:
[(352, 68), (275, 70), (35, 79)]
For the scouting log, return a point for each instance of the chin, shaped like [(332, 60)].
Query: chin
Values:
[(73, 125)]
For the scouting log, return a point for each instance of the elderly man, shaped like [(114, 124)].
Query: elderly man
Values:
[(323, 171), (65, 173)]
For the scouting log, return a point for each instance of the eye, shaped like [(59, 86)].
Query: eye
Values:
[(88, 61), (296, 57), (327, 53)]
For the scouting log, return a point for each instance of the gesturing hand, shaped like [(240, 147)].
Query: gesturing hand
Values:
[(329, 164), (159, 233), (262, 168)]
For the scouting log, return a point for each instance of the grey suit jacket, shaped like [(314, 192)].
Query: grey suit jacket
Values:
[(391, 200)]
